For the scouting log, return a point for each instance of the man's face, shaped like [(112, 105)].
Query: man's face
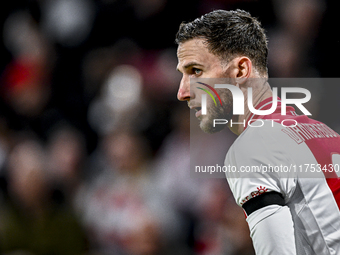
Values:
[(195, 61)]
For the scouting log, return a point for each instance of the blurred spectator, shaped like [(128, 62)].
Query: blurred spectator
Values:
[(26, 81), (66, 155), (222, 228), (172, 163), (68, 22), (100, 62), (30, 220), (172, 173), (292, 40), (124, 211), (210, 216), (300, 18), (119, 100), (26, 78)]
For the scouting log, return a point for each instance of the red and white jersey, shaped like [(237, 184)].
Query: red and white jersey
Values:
[(292, 155)]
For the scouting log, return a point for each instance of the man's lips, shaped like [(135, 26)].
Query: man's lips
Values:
[(197, 109), (198, 112)]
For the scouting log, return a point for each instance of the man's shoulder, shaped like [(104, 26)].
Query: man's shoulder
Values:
[(264, 137), (260, 132), (281, 130), (257, 142), (282, 137)]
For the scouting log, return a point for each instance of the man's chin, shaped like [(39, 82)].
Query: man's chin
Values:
[(208, 127)]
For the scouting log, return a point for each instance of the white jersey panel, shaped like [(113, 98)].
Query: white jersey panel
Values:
[(313, 208)]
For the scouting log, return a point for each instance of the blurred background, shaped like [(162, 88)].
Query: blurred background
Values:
[(95, 147)]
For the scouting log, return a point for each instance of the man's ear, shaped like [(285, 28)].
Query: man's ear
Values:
[(239, 68), (244, 67)]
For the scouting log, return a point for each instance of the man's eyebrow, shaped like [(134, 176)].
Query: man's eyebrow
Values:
[(190, 64)]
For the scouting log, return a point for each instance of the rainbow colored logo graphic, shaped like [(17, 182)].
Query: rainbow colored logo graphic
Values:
[(209, 93)]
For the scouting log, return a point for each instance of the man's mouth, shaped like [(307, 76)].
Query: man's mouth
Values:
[(198, 111)]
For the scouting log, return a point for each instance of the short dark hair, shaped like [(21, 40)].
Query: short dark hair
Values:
[(228, 34)]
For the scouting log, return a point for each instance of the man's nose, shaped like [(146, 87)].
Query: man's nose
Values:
[(184, 90)]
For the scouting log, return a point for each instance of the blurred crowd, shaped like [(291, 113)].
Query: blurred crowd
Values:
[(95, 147)]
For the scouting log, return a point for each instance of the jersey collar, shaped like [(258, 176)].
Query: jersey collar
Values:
[(266, 105)]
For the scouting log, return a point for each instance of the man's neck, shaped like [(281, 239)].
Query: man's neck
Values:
[(260, 93)]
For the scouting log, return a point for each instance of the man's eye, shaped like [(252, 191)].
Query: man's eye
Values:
[(197, 71)]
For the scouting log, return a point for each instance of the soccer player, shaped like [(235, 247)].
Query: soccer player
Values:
[(287, 213)]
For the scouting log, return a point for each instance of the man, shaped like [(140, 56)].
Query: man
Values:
[(287, 213)]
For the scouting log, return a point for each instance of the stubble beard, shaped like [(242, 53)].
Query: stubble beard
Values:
[(217, 112)]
